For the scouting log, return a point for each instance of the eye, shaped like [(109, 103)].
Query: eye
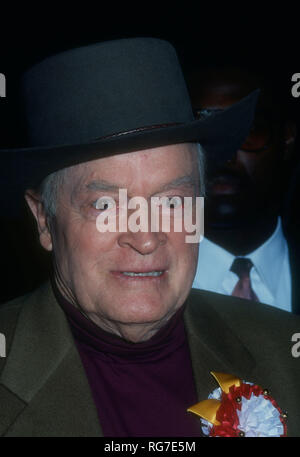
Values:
[(173, 202), (104, 203)]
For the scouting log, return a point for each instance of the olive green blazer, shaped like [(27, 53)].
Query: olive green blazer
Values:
[(44, 390)]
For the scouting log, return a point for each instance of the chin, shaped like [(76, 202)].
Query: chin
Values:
[(226, 217), (142, 311)]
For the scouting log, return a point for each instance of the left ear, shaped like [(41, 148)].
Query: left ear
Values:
[(290, 132)]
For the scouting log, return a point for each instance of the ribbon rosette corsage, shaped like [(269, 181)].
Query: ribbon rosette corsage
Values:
[(239, 408)]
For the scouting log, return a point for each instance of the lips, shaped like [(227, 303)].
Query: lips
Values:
[(149, 274)]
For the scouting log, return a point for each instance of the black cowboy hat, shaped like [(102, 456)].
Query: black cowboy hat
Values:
[(110, 98)]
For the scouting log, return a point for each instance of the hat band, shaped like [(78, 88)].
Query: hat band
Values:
[(140, 129)]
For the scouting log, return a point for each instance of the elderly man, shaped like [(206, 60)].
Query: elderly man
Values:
[(116, 345)]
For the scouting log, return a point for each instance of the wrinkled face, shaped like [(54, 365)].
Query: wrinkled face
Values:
[(93, 267), (250, 184)]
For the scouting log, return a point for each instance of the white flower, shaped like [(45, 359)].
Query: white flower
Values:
[(259, 418)]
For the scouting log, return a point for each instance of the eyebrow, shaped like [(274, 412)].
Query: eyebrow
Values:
[(180, 182), (103, 185)]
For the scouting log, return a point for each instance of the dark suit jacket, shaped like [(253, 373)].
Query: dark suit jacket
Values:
[(294, 255), (44, 390)]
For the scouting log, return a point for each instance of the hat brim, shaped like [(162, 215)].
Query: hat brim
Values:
[(220, 135)]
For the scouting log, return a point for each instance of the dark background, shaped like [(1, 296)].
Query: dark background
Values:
[(202, 35)]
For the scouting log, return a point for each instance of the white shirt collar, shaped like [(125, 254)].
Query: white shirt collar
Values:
[(214, 262), (267, 258)]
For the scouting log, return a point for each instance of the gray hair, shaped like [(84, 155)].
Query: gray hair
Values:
[(49, 191), (51, 185)]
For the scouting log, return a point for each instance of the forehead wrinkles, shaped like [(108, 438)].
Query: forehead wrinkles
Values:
[(77, 176), (165, 163)]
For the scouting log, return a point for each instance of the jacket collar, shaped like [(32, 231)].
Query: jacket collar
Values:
[(294, 257)]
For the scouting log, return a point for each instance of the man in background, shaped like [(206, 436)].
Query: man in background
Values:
[(247, 251)]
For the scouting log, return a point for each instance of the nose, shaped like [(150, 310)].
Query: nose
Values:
[(142, 242)]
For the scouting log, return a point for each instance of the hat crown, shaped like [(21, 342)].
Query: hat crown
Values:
[(103, 89)]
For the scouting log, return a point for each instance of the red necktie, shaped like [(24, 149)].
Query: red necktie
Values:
[(241, 267)]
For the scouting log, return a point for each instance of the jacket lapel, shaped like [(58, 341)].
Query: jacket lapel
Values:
[(40, 400), (213, 345), (292, 237), (294, 254)]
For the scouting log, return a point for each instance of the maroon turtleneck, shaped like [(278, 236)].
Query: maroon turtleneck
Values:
[(140, 389)]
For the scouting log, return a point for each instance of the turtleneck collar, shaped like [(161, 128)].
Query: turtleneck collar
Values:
[(167, 339)]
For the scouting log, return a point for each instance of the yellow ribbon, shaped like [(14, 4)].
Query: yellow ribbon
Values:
[(207, 409), (226, 381)]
